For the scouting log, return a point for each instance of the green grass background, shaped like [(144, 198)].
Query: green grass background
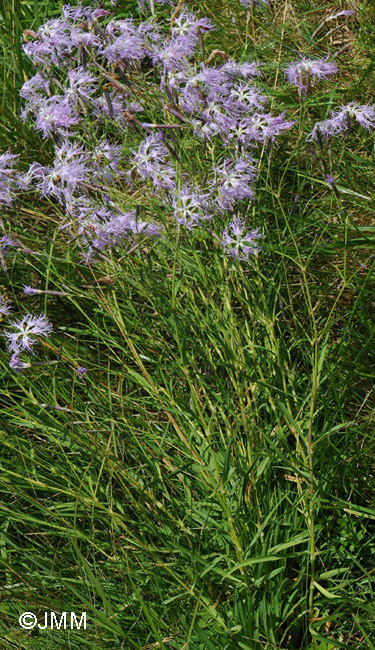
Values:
[(209, 484)]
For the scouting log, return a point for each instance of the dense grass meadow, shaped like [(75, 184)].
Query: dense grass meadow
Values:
[(187, 302)]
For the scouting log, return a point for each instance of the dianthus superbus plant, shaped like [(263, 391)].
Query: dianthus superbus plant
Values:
[(180, 421)]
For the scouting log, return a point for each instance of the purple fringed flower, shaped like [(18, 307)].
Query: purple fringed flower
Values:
[(216, 120), (33, 86), (235, 180), (232, 69), (184, 39), (149, 162), (81, 84), (127, 43), (173, 55), (243, 98), (186, 29), (119, 227), (106, 160), (187, 23), (79, 14), (299, 73), (326, 128), (54, 115), (213, 80), (26, 332), (10, 179), (363, 114), (40, 52), (16, 364), (5, 308), (118, 27), (81, 370), (76, 13), (239, 242), (342, 119), (125, 48), (259, 127), (191, 207), (69, 169), (53, 43)]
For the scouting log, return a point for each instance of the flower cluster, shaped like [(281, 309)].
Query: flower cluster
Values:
[(93, 69), (90, 71), (128, 109), (224, 101)]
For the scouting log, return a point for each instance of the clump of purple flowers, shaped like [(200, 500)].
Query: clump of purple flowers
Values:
[(90, 73)]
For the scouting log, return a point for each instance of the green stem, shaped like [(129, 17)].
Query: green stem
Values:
[(174, 268), (311, 479)]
